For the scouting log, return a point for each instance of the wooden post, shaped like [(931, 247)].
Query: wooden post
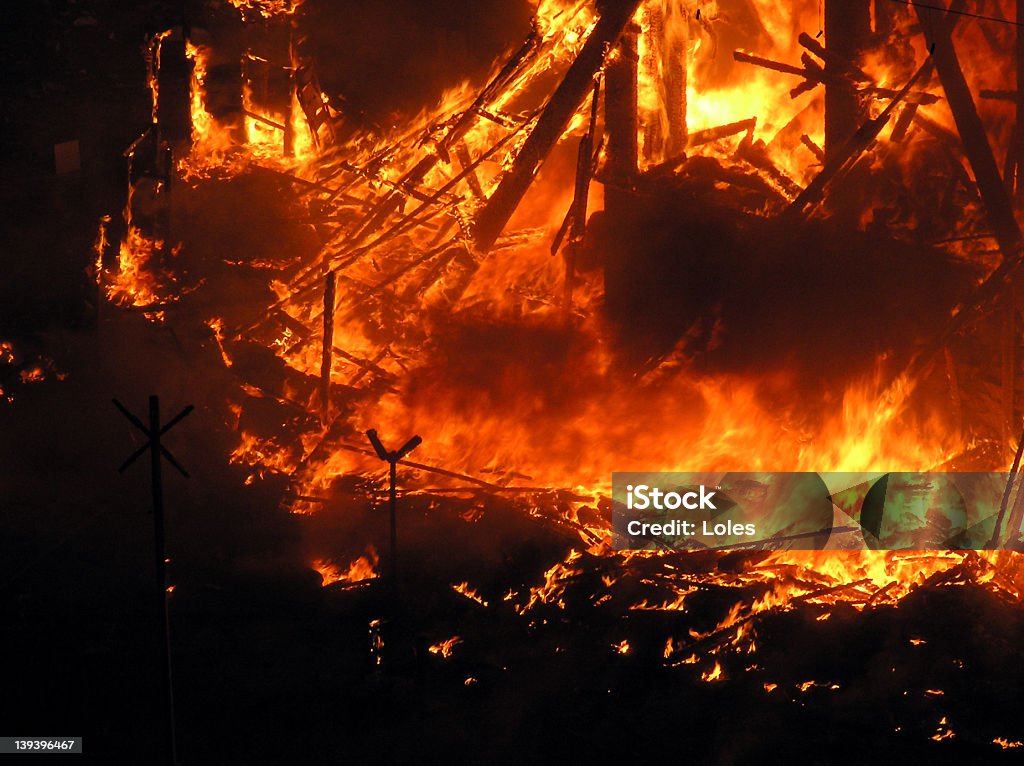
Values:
[(289, 129), (1018, 148), (654, 37), (620, 120), (615, 15), (581, 193), (289, 114), (847, 28), (328, 346), (674, 50), (1008, 360)]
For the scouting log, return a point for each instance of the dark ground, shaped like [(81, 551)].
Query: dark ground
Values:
[(272, 668)]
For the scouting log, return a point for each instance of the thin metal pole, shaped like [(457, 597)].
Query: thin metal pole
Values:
[(392, 471), (993, 542), (160, 560)]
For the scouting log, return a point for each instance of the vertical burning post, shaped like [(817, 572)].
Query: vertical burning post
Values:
[(392, 458), (328, 349)]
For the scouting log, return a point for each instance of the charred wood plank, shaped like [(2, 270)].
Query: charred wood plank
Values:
[(615, 15), (465, 161), (777, 66), (812, 147), (830, 57)]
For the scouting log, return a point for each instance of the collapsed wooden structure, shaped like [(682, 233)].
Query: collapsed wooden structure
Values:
[(430, 205)]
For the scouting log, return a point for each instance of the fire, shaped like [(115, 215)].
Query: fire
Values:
[(360, 570), (464, 589), (445, 648), (511, 389), (266, 9), (1007, 744), (715, 674), (211, 142), (943, 731), (551, 590)]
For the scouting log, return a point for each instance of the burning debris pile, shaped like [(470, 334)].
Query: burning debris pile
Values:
[(598, 260)]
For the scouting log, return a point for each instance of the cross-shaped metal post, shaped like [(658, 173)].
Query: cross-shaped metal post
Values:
[(392, 458), (158, 452)]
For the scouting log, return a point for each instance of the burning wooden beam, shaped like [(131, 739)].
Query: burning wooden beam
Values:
[(674, 47), (328, 346), (812, 147), (972, 133), (407, 185), (843, 158), (830, 57), (847, 30), (706, 136), (615, 15), (620, 111)]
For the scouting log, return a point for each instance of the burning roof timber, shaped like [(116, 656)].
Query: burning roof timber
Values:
[(693, 196)]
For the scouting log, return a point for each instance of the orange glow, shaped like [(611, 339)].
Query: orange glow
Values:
[(361, 569), (445, 648), (715, 674), (400, 317)]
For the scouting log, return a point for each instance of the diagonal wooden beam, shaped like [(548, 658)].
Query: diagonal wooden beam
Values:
[(972, 132), (577, 84)]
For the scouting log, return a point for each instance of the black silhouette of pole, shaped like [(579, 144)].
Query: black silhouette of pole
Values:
[(392, 458), (392, 501), (993, 541), (158, 453)]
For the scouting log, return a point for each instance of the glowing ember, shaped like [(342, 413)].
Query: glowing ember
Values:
[(464, 589), (1007, 744), (943, 732), (445, 648)]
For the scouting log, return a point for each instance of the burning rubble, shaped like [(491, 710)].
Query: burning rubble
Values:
[(736, 236)]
